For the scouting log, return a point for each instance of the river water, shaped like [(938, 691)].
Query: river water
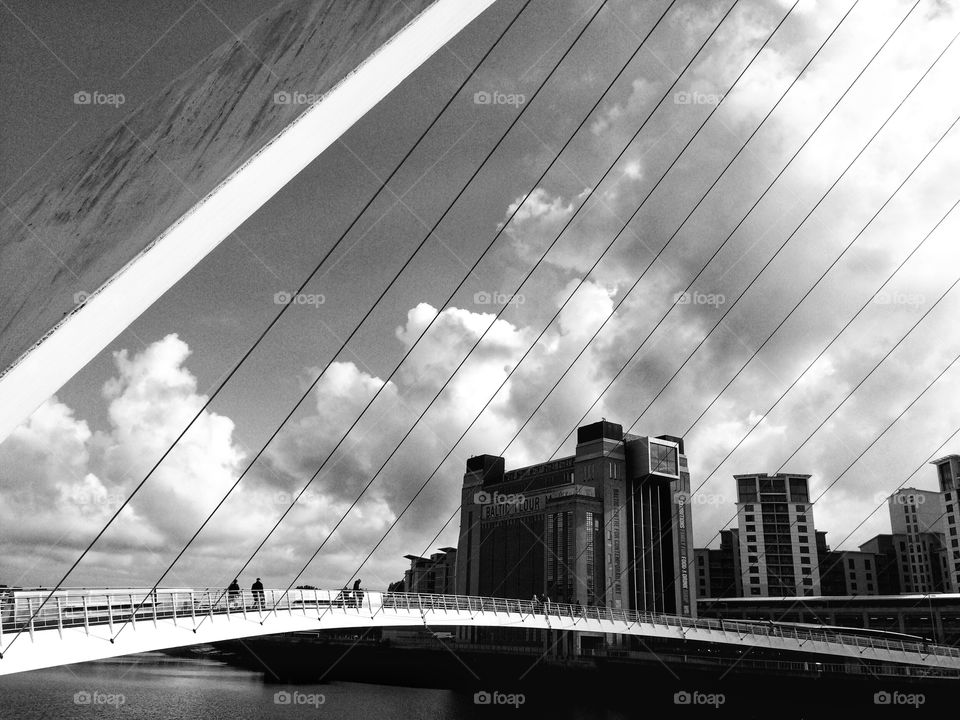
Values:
[(155, 686)]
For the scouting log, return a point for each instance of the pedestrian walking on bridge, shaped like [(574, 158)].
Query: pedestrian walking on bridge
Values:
[(233, 592)]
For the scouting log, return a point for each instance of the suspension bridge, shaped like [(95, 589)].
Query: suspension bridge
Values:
[(52, 626), (79, 625)]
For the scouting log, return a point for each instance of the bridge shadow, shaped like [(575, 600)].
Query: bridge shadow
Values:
[(683, 679)]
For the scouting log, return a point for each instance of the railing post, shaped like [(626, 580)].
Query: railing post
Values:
[(133, 615), (210, 605), (156, 601), (109, 612), (193, 609), (86, 615), (173, 605), (30, 613), (59, 618)]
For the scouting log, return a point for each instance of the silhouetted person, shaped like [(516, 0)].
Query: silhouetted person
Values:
[(357, 592), (233, 591), (258, 597)]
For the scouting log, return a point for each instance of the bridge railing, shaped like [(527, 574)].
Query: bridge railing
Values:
[(81, 607), (780, 631)]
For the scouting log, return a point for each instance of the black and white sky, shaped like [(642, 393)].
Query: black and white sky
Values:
[(68, 467)]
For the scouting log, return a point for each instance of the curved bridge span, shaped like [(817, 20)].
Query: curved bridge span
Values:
[(80, 625)]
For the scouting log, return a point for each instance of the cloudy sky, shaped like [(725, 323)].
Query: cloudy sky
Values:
[(67, 468)]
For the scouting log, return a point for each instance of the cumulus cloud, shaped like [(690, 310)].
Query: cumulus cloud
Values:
[(55, 467)]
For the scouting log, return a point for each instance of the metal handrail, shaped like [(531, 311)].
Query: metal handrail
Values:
[(83, 607)]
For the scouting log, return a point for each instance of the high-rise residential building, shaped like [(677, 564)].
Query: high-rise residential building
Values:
[(778, 545), (917, 518), (948, 476), (915, 511), (609, 525)]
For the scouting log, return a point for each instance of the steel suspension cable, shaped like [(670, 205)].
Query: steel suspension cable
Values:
[(562, 231), (858, 235), (396, 277), (883, 432), (860, 383), (515, 436), (449, 299), (895, 490), (871, 513), (623, 299), (276, 318), (914, 472), (842, 329), (771, 407), (891, 350), (815, 285), (840, 332), (885, 282), (767, 264), (383, 185)]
